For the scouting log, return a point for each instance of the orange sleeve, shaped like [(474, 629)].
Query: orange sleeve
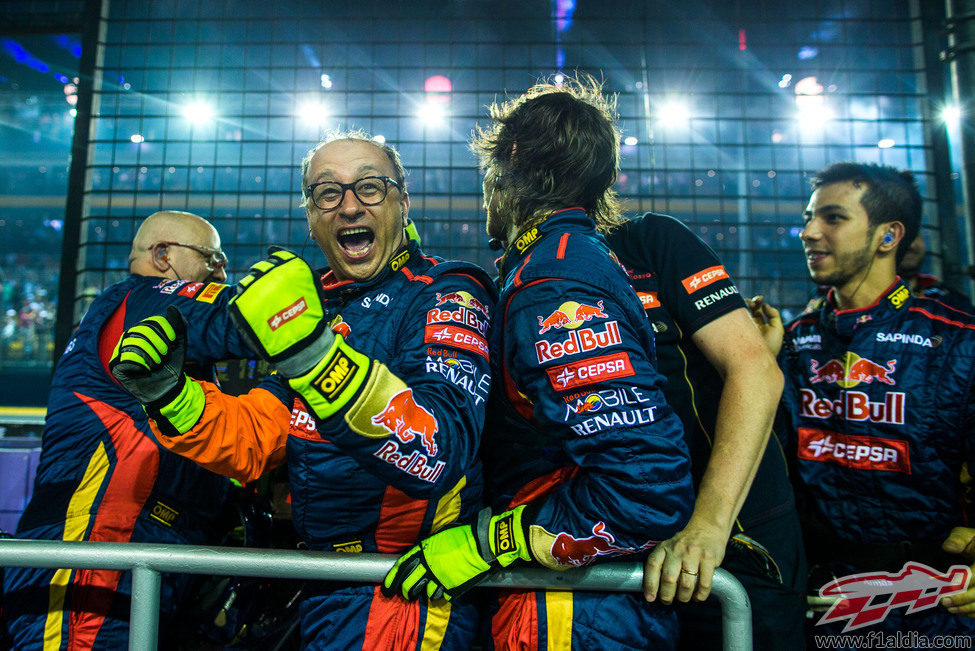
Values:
[(237, 436)]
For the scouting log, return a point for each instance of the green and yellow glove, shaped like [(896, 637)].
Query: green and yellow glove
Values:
[(148, 363), (452, 561), (278, 310)]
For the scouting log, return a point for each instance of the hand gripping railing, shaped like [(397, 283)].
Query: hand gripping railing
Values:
[(147, 561)]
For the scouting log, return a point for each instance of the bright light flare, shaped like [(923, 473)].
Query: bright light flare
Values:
[(432, 114), (674, 113), (312, 112), (199, 112), (137, 138), (951, 115), (886, 143), (631, 141)]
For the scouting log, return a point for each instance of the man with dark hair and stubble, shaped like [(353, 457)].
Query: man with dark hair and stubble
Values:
[(878, 412), (584, 460)]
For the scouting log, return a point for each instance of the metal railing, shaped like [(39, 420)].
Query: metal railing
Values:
[(147, 561)]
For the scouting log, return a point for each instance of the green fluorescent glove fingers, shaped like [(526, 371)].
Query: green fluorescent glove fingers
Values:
[(148, 361), (452, 561), (278, 309)]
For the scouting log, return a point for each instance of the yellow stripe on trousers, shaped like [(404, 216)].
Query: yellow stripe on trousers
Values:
[(558, 620), (75, 526)]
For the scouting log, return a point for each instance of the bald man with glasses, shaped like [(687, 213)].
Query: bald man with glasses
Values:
[(102, 476)]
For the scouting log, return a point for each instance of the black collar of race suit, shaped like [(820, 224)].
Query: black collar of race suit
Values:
[(532, 233), (888, 305), (350, 288)]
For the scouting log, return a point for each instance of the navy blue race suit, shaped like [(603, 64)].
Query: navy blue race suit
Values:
[(395, 464), (581, 433), (878, 418), (103, 477)]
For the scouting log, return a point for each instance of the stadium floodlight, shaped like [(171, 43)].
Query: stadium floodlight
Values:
[(137, 138), (674, 113), (312, 112), (813, 113), (199, 112), (886, 143), (631, 141), (432, 114)]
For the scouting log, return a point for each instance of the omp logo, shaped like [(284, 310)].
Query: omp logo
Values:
[(526, 240), (850, 370), (398, 262), (504, 535), (583, 340), (163, 514), (868, 598), (860, 452), (899, 297), (407, 420), (703, 278), (287, 313), (336, 376), (571, 315), (353, 547)]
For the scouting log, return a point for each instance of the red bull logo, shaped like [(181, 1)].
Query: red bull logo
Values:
[(850, 370), (570, 315), (855, 405), (406, 419), (583, 340), (464, 299), (865, 599), (576, 552)]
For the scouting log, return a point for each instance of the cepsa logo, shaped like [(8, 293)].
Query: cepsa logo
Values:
[(860, 452), (865, 599), (579, 341), (703, 278), (850, 370), (570, 315), (590, 371), (464, 299), (449, 335), (288, 313), (404, 418)]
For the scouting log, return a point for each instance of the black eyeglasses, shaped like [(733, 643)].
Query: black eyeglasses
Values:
[(369, 190), (214, 258)]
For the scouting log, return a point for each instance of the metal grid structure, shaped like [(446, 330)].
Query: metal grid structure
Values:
[(726, 108)]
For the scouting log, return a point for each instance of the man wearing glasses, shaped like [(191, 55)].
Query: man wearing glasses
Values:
[(378, 402), (102, 476)]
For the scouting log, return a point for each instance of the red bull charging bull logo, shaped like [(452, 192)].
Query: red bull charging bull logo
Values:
[(570, 315), (464, 299), (404, 418), (850, 370), (569, 550)]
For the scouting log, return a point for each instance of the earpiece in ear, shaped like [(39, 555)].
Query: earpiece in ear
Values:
[(889, 237)]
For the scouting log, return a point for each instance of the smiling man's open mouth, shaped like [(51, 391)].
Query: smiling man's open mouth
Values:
[(356, 241)]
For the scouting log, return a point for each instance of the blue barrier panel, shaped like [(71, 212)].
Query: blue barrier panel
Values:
[(18, 464)]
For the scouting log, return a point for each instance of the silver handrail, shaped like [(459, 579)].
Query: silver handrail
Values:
[(147, 561)]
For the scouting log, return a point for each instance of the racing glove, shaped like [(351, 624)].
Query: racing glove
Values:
[(279, 310), (452, 561), (148, 363)]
